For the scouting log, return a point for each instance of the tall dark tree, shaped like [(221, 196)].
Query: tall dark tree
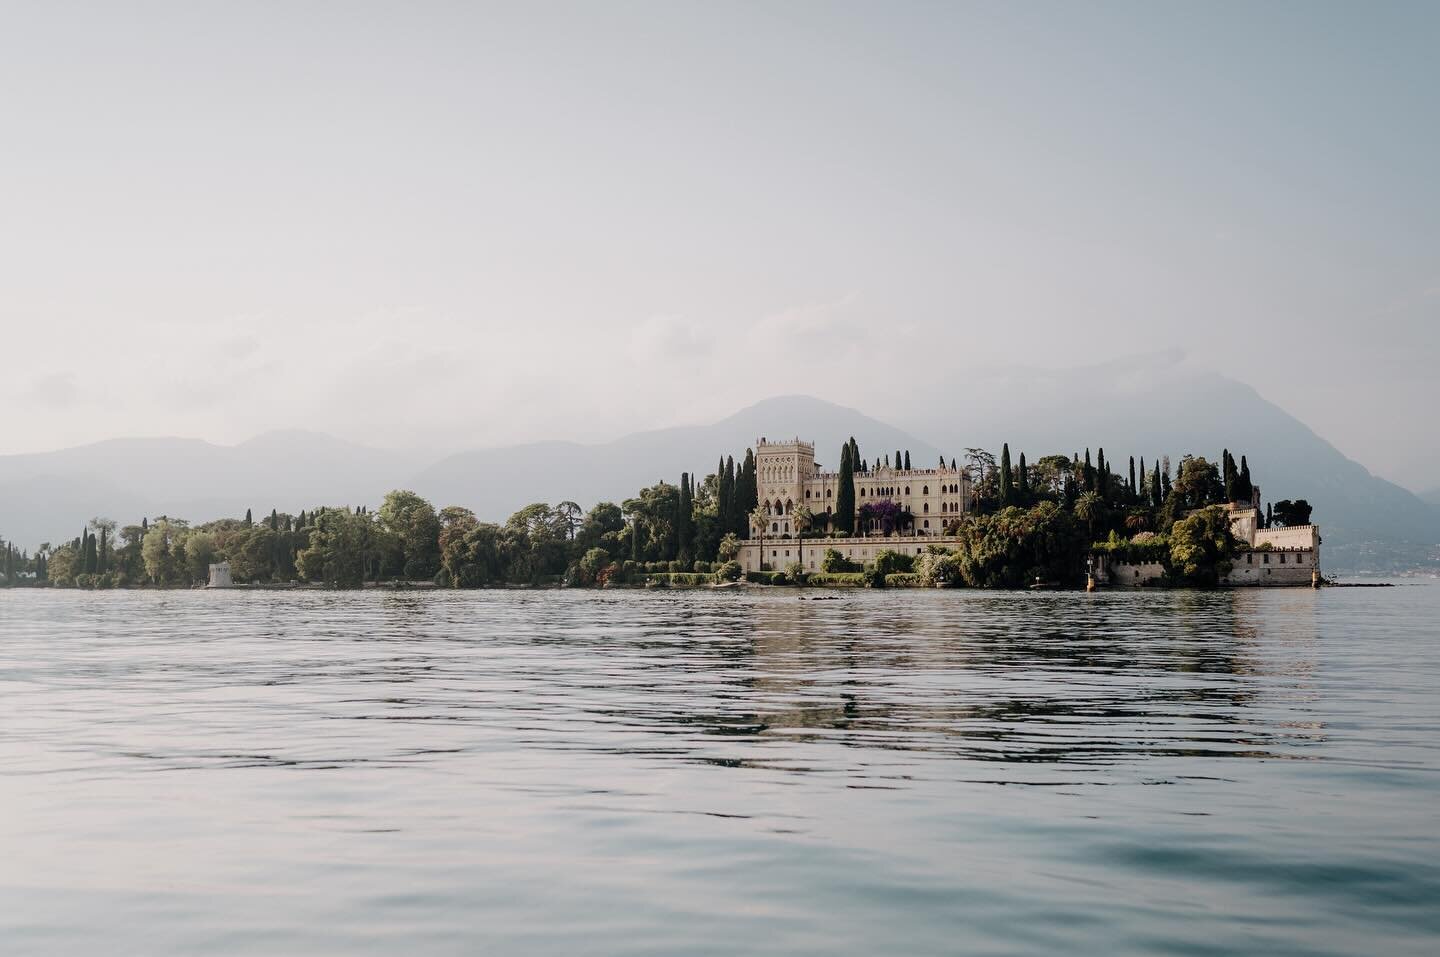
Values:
[(1007, 479), (1024, 483), (1132, 476), (102, 557), (1244, 488), (907, 460), (722, 497), (1228, 474), (1157, 494), (685, 520), (1102, 474), (845, 494), (1087, 477), (747, 495), (249, 522)]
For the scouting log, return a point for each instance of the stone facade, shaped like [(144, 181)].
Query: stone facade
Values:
[(786, 476), (1274, 556), (780, 553), (220, 576)]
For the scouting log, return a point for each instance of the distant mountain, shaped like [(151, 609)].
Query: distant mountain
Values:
[(1152, 406), (496, 482), (1432, 496), (48, 496), (1146, 407)]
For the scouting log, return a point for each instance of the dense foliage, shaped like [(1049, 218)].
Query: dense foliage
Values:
[(1026, 522)]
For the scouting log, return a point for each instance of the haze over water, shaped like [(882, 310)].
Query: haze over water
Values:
[(714, 773)]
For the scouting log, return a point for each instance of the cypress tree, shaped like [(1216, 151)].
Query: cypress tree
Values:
[(102, 561), (1244, 487), (1227, 472), (1165, 478), (1143, 489), (731, 517), (1132, 476), (274, 521), (845, 494), (907, 460), (722, 497), (1157, 496), (1007, 490), (248, 522), (1102, 474), (897, 459), (1087, 477), (1024, 481), (747, 495), (684, 516), (1269, 516)]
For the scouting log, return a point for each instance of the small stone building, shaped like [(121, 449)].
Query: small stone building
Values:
[(220, 576)]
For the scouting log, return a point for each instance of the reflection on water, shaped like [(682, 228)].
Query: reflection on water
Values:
[(710, 772)]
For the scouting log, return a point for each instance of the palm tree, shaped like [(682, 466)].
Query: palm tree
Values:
[(1090, 510), (802, 518), (759, 518)]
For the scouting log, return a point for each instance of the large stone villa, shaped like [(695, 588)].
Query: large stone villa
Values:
[(787, 476)]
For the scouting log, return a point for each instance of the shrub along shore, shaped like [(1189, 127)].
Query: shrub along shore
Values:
[(1026, 524)]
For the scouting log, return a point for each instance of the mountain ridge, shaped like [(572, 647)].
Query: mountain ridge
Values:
[(44, 495)]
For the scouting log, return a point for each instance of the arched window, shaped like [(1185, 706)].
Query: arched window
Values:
[(827, 509), (775, 527), (829, 493), (907, 490), (925, 490), (927, 507), (927, 523)]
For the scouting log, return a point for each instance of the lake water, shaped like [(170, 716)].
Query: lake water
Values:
[(718, 773)]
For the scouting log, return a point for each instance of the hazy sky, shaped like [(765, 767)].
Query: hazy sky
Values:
[(453, 224)]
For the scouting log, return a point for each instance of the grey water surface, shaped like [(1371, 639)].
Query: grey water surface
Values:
[(568, 772)]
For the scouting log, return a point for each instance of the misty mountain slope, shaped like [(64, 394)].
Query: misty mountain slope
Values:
[(1431, 497), (498, 481), (47, 496), (1130, 410)]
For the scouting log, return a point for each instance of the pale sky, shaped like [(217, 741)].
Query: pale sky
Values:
[(435, 224)]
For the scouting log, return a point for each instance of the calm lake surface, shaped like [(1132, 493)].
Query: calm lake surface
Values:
[(720, 772)]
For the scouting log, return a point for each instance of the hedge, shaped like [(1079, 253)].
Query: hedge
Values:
[(902, 580), (837, 580), (680, 579), (767, 578)]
